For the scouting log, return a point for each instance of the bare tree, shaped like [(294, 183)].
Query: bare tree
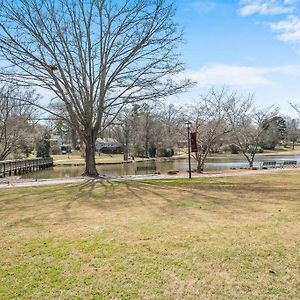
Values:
[(172, 120), (150, 129), (141, 121), (95, 56), (16, 126), (295, 106), (293, 131), (121, 130), (248, 124), (209, 122)]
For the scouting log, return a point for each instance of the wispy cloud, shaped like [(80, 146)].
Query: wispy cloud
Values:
[(239, 76), (288, 28), (267, 7)]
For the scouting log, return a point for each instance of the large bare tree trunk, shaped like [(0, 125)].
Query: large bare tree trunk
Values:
[(74, 138), (90, 162)]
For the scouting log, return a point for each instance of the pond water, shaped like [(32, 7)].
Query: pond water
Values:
[(113, 170)]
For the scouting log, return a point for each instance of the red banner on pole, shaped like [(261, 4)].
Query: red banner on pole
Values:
[(194, 147)]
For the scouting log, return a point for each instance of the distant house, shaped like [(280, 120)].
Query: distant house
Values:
[(108, 145), (56, 140)]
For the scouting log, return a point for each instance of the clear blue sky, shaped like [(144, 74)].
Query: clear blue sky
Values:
[(250, 46)]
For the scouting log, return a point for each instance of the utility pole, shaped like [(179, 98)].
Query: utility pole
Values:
[(188, 124)]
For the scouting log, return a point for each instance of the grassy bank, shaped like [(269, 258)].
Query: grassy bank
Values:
[(75, 157), (221, 238)]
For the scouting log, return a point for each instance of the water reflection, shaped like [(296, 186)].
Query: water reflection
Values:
[(113, 170)]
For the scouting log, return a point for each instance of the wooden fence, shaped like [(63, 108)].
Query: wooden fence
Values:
[(21, 166)]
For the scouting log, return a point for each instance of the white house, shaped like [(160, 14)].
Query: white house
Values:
[(56, 140)]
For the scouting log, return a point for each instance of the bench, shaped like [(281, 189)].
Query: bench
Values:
[(289, 163), (270, 164)]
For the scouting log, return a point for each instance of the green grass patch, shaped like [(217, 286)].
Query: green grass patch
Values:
[(207, 238)]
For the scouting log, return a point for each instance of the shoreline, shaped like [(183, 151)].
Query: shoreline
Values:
[(72, 162), (64, 163), (13, 182)]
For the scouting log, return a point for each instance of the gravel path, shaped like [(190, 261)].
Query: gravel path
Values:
[(13, 182)]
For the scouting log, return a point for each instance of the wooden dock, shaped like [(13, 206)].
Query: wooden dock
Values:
[(21, 166)]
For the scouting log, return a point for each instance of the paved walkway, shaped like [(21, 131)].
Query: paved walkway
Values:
[(12, 182)]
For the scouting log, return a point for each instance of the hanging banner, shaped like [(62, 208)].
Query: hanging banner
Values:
[(194, 142)]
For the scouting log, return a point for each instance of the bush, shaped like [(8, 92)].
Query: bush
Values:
[(138, 151), (234, 149), (17, 155), (260, 150), (26, 148), (165, 152), (55, 150), (152, 150)]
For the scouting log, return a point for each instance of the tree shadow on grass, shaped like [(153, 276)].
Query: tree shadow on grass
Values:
[(226, 198), (106, 195), (146, 193)]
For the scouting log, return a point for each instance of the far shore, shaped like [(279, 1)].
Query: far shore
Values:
[(109, 159)]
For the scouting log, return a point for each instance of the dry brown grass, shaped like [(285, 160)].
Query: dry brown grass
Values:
[(221, 238)]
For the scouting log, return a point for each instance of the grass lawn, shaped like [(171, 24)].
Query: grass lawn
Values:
[(76, 158), (210, 238)]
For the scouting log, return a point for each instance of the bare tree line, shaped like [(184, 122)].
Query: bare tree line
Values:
[(221, 119)]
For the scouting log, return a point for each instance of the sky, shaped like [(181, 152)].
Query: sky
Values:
[(247, 45)]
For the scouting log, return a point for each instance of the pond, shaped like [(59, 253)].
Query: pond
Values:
[(163, 166)]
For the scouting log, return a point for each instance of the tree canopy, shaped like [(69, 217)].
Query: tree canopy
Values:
[(95, 57)]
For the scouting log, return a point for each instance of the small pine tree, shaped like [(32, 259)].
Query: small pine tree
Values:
[(43, 146)]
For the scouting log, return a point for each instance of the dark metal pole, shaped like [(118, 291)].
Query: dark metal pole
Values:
[(189, 151)]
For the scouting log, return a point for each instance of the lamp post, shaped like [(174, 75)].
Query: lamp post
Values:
[(188, 124)]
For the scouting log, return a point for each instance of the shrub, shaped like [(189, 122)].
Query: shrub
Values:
[(234, 149), (139, 151), (55, 150), (165, 152), (152, 150), (260, 150)]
